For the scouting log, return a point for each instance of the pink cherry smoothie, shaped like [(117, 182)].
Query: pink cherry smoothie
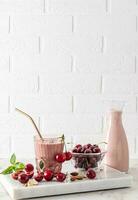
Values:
[(46, 150)]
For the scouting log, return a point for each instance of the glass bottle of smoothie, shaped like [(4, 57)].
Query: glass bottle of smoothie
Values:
[(46, 149), (117, 146)]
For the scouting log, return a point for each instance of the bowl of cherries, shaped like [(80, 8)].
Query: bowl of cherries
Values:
[(87, 156)]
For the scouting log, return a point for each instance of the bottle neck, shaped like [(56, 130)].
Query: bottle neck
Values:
[(116, 116)]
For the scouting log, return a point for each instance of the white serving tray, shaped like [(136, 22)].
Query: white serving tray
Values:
[(108, 178)]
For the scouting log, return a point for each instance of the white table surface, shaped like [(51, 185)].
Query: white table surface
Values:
[(117, 194)]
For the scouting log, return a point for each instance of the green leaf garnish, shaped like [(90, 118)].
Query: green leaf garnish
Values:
[(8, 170), (62, 137), (14, 167), (19, 166), (63, 140), (13, 159), (41, 164)]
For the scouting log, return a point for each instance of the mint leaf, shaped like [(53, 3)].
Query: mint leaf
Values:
[(13, 159), (16, 166), (8, 170), (63, 138), (41, 164), (19, 166)]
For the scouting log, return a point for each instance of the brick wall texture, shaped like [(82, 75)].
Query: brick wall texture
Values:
[(61, 61)]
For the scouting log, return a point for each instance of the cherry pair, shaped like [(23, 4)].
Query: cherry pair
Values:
[(62, 157), (49, 175)]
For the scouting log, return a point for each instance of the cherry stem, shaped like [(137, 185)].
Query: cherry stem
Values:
[(102, 143), (63, 139), (65, 147)]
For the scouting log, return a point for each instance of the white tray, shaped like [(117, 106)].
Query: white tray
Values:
[(107, 179)]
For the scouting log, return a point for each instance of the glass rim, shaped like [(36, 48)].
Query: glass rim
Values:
[(115, 110), (89, 154), (36, 137)]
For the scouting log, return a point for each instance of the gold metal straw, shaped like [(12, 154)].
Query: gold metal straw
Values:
[(22, 112)]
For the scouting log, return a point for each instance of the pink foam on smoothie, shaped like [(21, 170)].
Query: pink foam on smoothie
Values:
[(46, 151)]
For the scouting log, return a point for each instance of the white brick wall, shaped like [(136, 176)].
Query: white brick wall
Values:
[(59, 61), (72, 124), (41, 24), (18, 44), (75, 6), (69, 84), (4, 24), (22, 6), (120, 84), (105, 63), (42, 104)]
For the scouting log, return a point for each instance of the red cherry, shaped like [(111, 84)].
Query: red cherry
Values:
[(83, 148), (48, 175), (23, 178), (61, 177), (91, 148), (75, 150), (95, 146), (68, 155), (91, 173), (87, 151), (96, 150), (30, 174), (16, 174), (42, 173), (60, 157), (29, 167), (39, 177), (79, 150), (88, 145), (78, 145)]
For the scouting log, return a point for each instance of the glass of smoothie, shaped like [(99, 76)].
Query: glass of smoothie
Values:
[(46, 149)]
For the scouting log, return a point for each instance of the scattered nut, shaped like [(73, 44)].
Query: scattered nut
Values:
[(76, 176), (74, 173), (31, 182), (73, 179), (80, 177)]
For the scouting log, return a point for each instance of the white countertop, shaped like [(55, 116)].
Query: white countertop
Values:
[(116, 194)]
